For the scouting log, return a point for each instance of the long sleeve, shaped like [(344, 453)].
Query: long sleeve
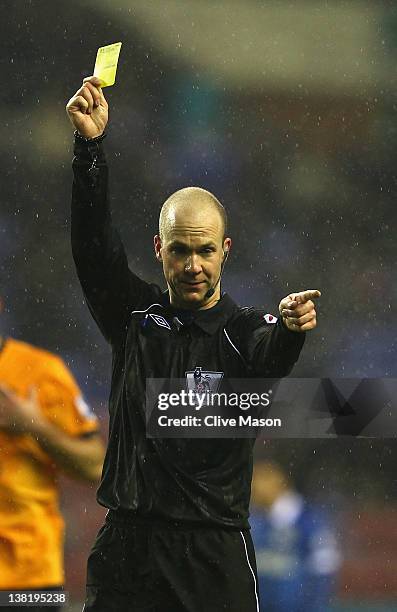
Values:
[(275, 349), (270, 349), (110, 288)]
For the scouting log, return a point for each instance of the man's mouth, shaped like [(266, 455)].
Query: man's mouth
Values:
[(193, 283)]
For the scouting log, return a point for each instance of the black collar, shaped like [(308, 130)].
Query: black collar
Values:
[(208, 320)]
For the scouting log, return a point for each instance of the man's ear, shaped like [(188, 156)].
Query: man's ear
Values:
[(227, 245), (157, 247)]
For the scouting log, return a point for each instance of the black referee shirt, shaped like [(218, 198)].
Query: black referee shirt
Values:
[(197, 480)]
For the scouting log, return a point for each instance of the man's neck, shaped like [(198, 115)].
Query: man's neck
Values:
[(210, 303), (214, 299)]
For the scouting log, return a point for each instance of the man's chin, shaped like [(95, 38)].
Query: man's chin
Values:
[(193, 297)]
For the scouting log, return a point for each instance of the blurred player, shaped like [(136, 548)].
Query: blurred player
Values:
[(176, 536), (45, 427), (295, 545)]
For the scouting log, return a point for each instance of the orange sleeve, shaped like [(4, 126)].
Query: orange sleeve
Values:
[(61, 399)]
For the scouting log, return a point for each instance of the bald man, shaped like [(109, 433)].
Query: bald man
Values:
[(176, 537)]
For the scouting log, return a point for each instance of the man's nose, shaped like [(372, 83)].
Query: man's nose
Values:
[(193, 265)]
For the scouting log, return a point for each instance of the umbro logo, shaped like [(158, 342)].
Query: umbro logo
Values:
[(160, 321)]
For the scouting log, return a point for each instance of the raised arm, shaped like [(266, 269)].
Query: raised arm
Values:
[(110, 288)]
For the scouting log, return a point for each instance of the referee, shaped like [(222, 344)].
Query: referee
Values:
[(176, 536)]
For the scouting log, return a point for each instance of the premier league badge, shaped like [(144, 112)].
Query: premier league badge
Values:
[(203, 383)]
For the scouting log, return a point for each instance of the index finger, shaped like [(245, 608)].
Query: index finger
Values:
[(305, 296), (93, 80)]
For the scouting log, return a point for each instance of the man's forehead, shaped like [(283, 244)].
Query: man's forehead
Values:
[(190, 235), (192, 221)]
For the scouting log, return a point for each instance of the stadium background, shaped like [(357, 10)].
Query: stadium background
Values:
[(286, 110)]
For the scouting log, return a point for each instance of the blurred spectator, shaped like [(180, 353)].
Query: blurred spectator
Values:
[(296, 552)]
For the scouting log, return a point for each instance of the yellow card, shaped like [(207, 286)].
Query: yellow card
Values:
[(106, 63)]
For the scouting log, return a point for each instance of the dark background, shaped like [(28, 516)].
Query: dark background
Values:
[(286, 111)]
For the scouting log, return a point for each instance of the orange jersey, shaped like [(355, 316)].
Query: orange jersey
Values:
[(31, 526)]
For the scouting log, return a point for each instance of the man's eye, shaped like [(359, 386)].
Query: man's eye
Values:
[(207, 250), (177, 250)]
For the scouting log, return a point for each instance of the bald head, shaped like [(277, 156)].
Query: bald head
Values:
[(191, 203), (192, 247)]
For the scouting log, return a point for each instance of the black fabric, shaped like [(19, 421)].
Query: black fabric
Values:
[(197, 480), (160, 567)]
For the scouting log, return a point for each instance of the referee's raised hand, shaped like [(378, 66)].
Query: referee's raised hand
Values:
[(298, 310), (88, 109)]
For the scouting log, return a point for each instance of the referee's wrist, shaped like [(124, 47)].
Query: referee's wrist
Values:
[(285, 329), (80, 138), (86, 150)]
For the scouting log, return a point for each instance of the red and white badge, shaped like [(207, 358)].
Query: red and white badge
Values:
[(269, 318)]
